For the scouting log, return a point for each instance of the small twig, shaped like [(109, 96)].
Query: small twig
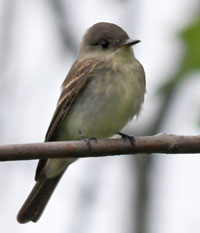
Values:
[(107, 147)]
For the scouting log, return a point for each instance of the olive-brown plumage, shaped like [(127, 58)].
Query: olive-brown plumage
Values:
[(104, 90)]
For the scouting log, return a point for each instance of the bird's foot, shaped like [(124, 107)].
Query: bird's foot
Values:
[(125, 137), (88, 141)]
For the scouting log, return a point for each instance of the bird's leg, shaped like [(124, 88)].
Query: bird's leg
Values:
[(87, 140), (125, 137)]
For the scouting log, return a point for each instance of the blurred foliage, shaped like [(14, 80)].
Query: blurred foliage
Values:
[(190, 62), (191, 38)]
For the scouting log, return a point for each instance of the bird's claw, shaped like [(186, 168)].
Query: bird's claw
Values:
[(125, 137), (88, 141)]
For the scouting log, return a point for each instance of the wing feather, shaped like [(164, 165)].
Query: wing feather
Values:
[(74, 82)]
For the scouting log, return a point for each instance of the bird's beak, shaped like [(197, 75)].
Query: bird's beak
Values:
[(130, 42)]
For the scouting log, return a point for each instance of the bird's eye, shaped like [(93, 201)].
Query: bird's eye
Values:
[(104, 44)]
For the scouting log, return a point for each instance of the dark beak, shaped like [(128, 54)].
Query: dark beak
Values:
[(130, 42)]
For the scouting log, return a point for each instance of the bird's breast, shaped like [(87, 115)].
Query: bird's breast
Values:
[(109, 100)]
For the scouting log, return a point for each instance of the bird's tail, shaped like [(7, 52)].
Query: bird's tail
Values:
[(37, 200)]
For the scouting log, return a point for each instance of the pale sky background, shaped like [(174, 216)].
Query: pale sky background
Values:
[(94, 194)]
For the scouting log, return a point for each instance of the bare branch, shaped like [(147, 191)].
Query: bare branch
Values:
[(106, 147)]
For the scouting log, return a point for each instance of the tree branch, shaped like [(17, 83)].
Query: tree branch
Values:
[(106, 147)]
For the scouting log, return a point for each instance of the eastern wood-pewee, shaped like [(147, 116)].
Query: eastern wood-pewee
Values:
[(104, 90)]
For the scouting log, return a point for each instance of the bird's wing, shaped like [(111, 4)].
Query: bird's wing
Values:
[(74, 82)]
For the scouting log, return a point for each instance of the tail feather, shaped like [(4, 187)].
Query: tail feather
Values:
[(37, 199)]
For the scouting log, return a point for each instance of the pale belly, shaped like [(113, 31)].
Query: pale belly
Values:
[(103, 109)]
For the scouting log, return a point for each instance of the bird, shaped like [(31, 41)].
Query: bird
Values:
[(103, 90)]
